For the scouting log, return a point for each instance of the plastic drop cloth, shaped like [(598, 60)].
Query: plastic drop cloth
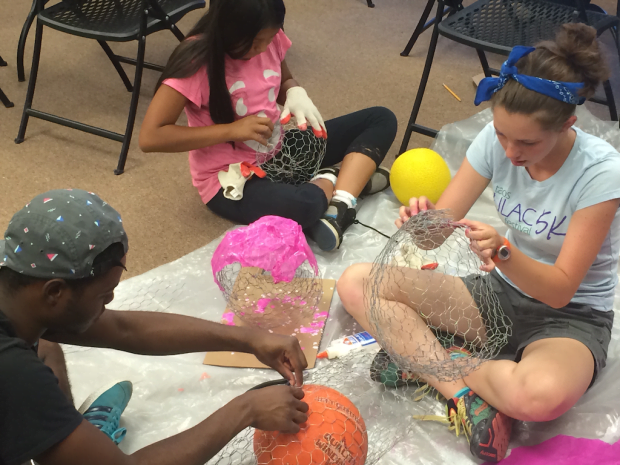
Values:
[(174, 393)]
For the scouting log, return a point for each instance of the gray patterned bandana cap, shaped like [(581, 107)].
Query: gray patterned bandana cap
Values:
[(59, 234)]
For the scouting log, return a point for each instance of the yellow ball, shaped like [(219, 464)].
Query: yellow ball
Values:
[(419, 172)]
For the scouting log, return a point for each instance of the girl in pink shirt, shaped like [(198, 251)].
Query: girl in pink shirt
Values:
[(229, 76)]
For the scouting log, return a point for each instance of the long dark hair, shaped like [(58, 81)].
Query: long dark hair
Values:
[(229, 27)]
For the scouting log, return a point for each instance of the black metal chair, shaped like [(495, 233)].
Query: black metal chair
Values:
[(452, 6), (106, 21), (3, 98), (21, 44), (497, 26)]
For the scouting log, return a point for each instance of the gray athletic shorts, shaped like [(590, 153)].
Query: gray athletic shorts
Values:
[(533, 320)]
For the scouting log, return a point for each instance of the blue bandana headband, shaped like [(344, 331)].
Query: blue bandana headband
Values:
[(562, 91)]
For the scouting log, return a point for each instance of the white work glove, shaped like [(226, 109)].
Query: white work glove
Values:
[(299, 105)]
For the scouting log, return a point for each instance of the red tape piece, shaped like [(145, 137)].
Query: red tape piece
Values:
[(247, 168), (430, 266)]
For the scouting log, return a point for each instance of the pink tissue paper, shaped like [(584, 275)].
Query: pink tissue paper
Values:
[(275, 244), (566, 450)]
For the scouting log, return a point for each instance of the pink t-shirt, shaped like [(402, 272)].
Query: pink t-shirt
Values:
[(254, 86)]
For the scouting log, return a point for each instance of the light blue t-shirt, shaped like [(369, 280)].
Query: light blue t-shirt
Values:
[(538, 213)]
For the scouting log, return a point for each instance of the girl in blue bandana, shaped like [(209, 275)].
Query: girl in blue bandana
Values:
[(557, 189)]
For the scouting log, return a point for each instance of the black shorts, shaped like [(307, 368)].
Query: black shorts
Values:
[(533, 320)]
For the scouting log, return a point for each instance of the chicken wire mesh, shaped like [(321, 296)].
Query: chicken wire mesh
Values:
[(253, 296), (429, 305), (295, 158), (268, 274), (356, 426), (334, 432)]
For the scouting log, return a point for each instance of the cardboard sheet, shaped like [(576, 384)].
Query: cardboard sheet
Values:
[(309, 334), (477, 78)]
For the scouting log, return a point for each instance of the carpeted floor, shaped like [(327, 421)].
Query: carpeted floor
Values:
[(345, 54)]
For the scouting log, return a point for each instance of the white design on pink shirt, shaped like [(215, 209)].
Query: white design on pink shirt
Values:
[(270, 73), (272, 92), (241, 109), (236, 86)]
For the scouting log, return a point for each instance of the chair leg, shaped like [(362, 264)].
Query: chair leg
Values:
[(133, 106), (616, 34), (611, 102), (483, 61), (421, 27), (21, 75), (5, 100), (2, 62), (177, 33), (370, 4), (422, 87), (119, 69), (36, 55)]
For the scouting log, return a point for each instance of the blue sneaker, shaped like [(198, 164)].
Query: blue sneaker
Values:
[(328, 231), (104, 408)]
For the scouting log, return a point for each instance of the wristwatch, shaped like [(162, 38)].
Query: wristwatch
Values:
[(502, 252)]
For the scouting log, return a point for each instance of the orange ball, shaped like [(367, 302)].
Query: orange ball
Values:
[(335, 434)]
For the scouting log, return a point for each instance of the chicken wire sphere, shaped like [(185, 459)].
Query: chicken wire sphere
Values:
[(416, 294), (335, 433), (268, 274), (378, 419), (292, 156)]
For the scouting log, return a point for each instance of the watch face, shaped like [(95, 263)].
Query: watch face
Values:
[(503, 253)]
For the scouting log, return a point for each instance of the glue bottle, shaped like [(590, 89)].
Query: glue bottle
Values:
[(341, 347)]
